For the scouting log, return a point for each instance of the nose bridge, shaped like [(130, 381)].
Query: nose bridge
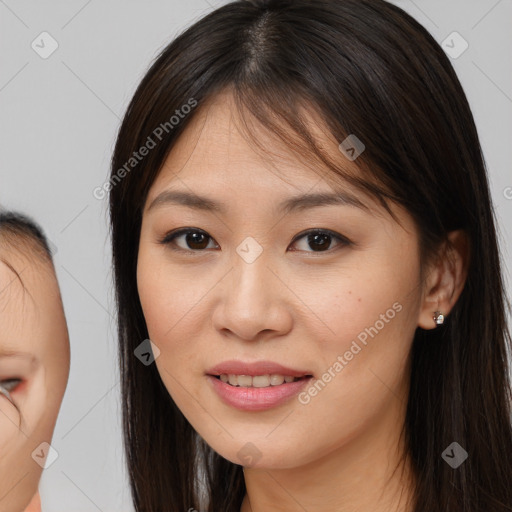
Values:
[(250, 300), (250, 275)]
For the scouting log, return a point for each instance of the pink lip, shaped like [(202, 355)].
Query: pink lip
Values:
[(235, 367), (256, 399)]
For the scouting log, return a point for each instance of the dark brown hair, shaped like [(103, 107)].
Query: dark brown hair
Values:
[(21, 233), (366, 68)]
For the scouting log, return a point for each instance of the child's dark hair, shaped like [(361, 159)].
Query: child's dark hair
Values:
[(20, 232)]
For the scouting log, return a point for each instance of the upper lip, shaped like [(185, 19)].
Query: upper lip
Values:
[(235, 367)]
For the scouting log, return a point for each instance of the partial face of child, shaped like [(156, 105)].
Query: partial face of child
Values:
[(34, 368)]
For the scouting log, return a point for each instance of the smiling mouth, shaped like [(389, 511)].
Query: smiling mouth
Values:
[(258, 381)]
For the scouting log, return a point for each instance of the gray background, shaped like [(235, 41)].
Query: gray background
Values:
[(59, 118)]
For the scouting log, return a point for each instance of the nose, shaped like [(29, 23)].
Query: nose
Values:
[(253, 302)]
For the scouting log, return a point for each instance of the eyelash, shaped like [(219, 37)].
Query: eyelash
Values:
[(170, 237), (6, 384)]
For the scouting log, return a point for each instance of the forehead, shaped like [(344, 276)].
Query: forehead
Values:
[(220, 125), (225, 149), (25, 282), (31, 310)]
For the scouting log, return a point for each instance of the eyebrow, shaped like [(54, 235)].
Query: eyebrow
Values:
[(16, 353), (296, 203)]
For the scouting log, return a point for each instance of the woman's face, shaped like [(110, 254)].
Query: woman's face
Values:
[(247, 286), (34, 367)]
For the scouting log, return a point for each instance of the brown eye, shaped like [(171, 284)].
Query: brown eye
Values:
[(320, 240), (194, 239)]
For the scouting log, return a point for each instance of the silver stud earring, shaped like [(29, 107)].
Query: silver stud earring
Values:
[(438, 318)]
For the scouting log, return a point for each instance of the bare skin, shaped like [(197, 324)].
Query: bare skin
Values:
[(294, 305), (34, 347), (35, 504)]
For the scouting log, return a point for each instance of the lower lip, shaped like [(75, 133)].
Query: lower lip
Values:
[(257, 399)]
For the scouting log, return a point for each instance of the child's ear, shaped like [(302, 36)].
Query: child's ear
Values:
[(445, 279)]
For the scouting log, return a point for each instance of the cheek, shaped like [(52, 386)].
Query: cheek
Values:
[(157, 292), (9, 421), (41, 400), (373, 295), (174, 293), (169, 298), (370, 315), (19, 474)]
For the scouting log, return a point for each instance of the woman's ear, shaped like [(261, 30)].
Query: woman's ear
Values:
[(445, 279)]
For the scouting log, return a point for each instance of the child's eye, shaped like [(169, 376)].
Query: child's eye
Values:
[(9, 385), (196, 240)]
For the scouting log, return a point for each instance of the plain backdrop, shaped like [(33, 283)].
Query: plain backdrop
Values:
[(59, 116)]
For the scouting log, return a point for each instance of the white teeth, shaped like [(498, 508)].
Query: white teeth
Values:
[(242, 380), (258, 381), (276, 379), (261, 381)]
